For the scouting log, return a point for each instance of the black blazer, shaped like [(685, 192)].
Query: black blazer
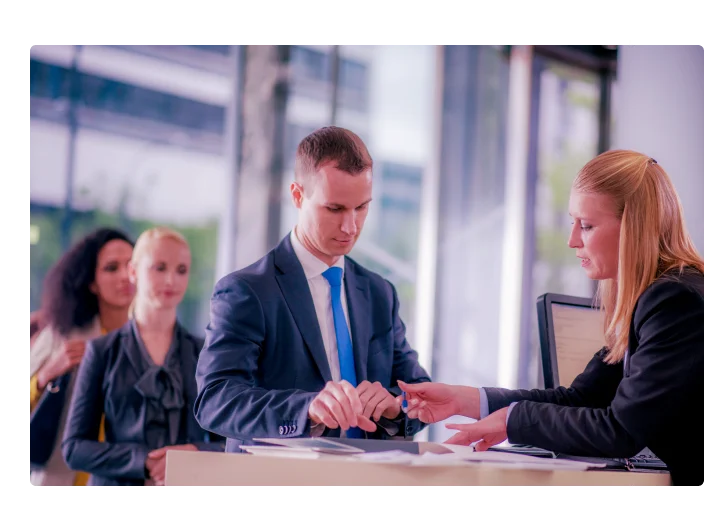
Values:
[(653, 401), (109, 382)]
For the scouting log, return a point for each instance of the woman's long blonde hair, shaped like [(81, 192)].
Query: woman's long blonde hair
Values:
[(653, 236), (145, 240)]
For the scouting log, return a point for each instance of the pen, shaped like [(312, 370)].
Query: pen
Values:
[(404, 404)]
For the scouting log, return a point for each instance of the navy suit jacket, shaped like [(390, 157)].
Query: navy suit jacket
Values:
[(264, 360), (653, 400), (105, 384)]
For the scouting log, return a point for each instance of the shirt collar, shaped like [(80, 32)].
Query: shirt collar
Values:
[(312, 265)]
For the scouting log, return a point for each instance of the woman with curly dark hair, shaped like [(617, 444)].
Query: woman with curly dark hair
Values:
[(86, 293)]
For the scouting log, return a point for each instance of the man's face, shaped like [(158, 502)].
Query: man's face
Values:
[(332, 209)]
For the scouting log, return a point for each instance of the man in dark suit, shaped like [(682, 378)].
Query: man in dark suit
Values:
[(305, 341)]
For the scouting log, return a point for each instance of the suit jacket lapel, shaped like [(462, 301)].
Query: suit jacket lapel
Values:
[(130, 347), (294, 287), (357, 291)]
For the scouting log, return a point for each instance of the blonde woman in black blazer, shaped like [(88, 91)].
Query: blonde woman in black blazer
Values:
[(141, 377), (644, 388)]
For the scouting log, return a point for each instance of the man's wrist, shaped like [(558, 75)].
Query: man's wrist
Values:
[(398, 415)]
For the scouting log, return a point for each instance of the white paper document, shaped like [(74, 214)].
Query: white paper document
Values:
[(322, 445), (465, 455), (281, 451), (434, 455), (515, 460), (395, 456)]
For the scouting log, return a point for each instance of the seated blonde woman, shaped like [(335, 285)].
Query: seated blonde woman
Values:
[(644, 388)]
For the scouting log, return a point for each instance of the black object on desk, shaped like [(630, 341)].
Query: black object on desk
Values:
[(523, 449), (638, 462)]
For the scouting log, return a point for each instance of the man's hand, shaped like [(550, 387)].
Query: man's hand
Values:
[(338, 405), (377, 401)]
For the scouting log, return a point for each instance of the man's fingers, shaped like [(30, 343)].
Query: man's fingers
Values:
[(365, 424), (363, 388), (378, 404), (385, 405), (352, 396), (322, 415), (336, 409), (338, 392), (372, 402)]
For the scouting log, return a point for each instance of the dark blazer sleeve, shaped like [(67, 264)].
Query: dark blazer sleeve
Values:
[(227, 371), (405, 368), (664, 368), (595, 387), (81, 448)]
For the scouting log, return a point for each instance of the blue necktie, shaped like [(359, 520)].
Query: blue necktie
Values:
[(342, 334)]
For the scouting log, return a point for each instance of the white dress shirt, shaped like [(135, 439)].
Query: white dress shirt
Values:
[(319, 286), (320, 291)]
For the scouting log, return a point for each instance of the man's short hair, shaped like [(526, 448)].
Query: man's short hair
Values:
[(331, 144)]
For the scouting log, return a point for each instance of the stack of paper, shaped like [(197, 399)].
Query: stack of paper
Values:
[(433, 455), (300, 447), (465, 455)]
